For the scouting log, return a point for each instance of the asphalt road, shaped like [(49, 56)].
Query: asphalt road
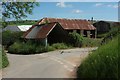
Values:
[(55, 64)]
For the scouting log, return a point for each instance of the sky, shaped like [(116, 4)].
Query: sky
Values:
[(79, 10), (76, 10)]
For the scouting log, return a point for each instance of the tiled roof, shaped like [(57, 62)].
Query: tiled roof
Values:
[(70, 23)]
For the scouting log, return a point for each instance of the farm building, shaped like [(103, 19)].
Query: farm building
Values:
[(53, 30), (19, 28), (102, 26)]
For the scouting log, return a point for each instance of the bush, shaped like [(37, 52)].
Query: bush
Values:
[(31, 48), (22, 48), (75, 39), (90, 42), (41, 49), (3, 59), (103, 63), (59, 46), (8, 37), (109, 36)]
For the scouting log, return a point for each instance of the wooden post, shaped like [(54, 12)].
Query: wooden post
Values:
[(46, 42), (74, 30), (96, 33), (88, 34), (82, 32)]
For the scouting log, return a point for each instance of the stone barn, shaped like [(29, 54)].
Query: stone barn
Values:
[(54, 30)]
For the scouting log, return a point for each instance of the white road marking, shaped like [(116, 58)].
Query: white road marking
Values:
[(64, 61), (65, 66), (68, 68)]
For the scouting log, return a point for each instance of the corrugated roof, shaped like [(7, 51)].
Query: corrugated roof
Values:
[(11, 28), (45, 30), (18, 28), (39, 31), (27, 32), (70, 23)]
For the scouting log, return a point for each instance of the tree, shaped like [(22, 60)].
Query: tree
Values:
[(75, 39), (17, 10)]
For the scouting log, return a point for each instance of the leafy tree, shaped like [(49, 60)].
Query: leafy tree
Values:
[(17, 10), (8, 37)]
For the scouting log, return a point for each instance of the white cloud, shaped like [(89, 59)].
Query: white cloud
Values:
[(109, 5), (63, 5), (77, 11), (115, 6), (98, 4), (112, 6)]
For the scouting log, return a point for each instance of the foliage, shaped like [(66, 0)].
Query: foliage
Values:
[(90, 42), (109, 36), (101, 35), (32, 48), (22, 48), (75, 39), (101, 64), (59, 46), (3, 59), (22, 22), (4, 24), (17, 10), (41, 49), (9, 37)]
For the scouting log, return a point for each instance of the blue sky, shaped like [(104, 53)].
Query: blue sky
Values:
[(79, 10)]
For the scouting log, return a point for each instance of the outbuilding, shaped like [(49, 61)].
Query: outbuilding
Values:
[(53, 30), (19, 28), (102, 26)]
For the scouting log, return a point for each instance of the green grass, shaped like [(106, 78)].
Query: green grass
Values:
[(59, 46), (90, 42), (103, 63), (3, 59)]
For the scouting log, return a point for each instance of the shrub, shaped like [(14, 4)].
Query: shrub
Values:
[(8, 37), (31, 48), (22, 48), (75, 39), (103, 63), (50, 48), (3, 59), (90, 42), (41, 49), (109, 36), (59, 46)]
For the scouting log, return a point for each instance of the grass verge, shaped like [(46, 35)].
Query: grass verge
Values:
[(3, 59), (103, 63)]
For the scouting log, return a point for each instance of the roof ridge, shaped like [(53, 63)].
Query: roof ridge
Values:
[(63, 18)]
